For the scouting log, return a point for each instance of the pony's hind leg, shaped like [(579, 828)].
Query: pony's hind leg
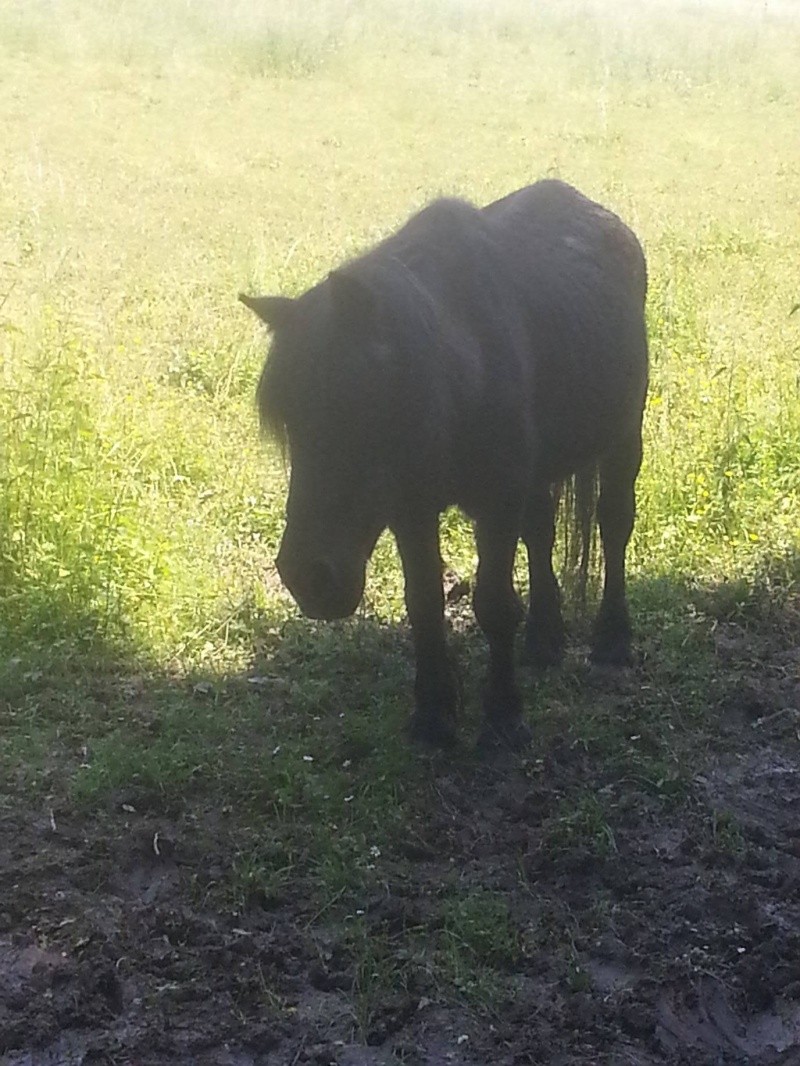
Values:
[(544, 627), (616, 511), (499, 612)]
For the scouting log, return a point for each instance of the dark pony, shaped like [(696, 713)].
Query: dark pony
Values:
[(477, 357)]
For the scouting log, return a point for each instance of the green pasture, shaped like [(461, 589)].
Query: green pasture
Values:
[(156, 158)]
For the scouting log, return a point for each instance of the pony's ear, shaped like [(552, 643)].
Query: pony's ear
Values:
[(353, 302), (275, 311)]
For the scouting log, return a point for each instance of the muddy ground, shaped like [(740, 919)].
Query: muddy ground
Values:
[(678, 941)]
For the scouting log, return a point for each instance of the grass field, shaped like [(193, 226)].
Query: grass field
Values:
[(155, 679)]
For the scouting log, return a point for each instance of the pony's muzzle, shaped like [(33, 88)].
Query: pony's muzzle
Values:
[(319, 588)]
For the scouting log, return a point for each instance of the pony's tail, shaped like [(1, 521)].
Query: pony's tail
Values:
[(578, 503)]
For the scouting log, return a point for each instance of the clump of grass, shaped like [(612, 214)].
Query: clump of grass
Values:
[(477, 930), (726, 834), (583, 822), (720, 424), (64, 554)]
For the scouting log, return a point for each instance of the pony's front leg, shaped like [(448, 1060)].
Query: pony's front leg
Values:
[(436, 692), (499, 612)]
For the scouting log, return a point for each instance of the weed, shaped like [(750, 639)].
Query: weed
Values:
[(582, 822), (726, 834)]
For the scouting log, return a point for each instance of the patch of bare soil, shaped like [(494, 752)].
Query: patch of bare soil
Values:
[(677, 943)]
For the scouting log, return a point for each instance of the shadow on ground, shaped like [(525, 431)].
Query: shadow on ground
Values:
[(257, 870)]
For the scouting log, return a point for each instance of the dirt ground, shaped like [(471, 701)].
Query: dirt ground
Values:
[(684, 936)]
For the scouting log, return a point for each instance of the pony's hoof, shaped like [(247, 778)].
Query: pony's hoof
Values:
[(545, 639), (431, 732), (542, 656), (510, 735), (616, 655)]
